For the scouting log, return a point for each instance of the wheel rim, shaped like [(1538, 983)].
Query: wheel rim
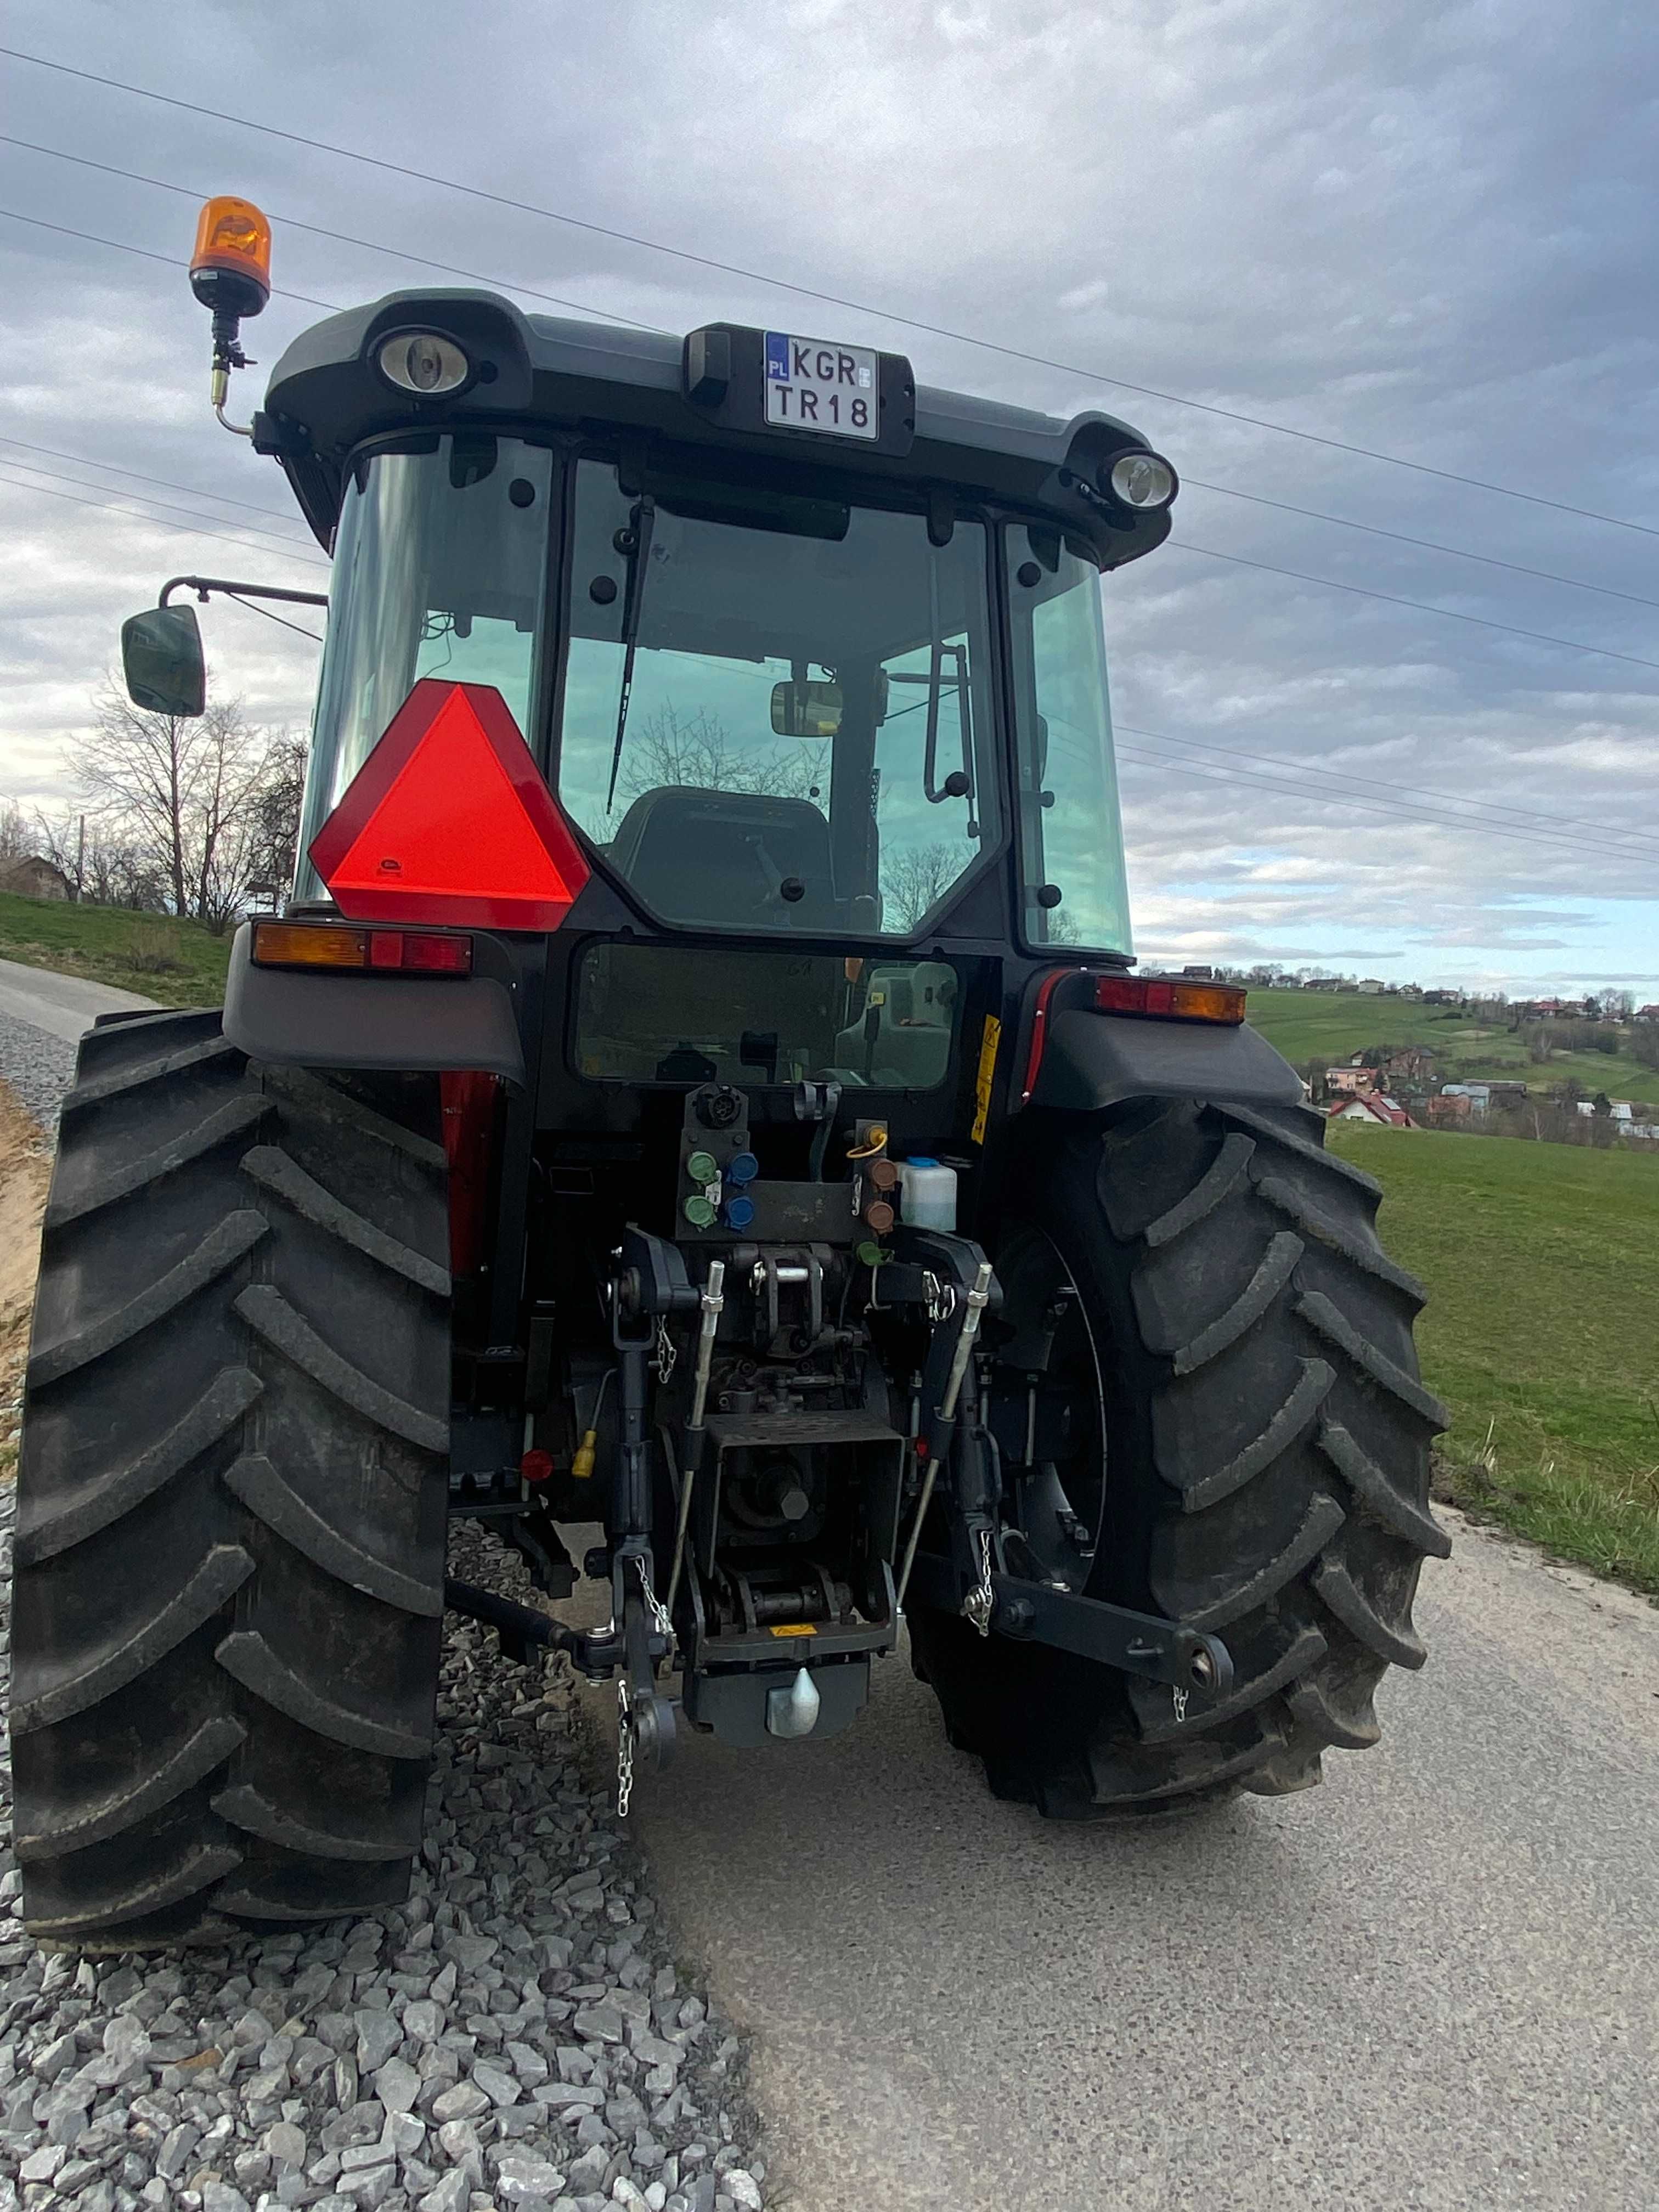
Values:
[(1049, 1384)]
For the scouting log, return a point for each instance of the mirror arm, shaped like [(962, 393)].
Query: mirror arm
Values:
[(203, 585)]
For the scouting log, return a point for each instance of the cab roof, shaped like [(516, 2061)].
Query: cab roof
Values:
[(326, 397)]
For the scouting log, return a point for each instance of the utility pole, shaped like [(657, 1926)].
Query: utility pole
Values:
[(80, 861)]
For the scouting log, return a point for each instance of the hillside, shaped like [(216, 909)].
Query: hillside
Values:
[(179, 963), (1541, 1263), (1334, 1025)]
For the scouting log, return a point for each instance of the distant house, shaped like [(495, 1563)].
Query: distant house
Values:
[(1444, 1111), (1372, 1107), (1442, 997), (1410, 990), (1551, 1010), (1370, 987), (1478, 1095), (1321, 983), (1350, 1082), (1412, 1063), (33, 878), (1646, 1014)]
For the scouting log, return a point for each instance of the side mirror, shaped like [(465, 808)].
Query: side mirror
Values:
[(162, 661), (806, 710)]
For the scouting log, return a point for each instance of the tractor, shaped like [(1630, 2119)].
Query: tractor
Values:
[(697, 1105)]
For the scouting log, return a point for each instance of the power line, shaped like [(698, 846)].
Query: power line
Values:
[(1427, 544), (1362, 590), (86, 461), (57, 476), (1420, 606), (1405, 817), (154, 521), (338, 237), (1528, 817), (1225, 491), (809, 292)]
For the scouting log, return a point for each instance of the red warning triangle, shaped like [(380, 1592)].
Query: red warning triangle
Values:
[(448, 820)]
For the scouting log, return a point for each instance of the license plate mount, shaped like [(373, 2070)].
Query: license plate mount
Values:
[(818, 384)]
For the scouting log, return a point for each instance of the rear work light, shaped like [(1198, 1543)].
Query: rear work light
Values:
[(325, 946), (1171, 1001)]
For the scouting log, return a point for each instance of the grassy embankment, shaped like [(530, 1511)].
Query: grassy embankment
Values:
[(1541, 1263), (178, 962), (1333, 1025)]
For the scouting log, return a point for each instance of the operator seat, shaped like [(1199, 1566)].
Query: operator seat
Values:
[(722, 858)]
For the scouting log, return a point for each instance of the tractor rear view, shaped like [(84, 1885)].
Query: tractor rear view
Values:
[(698, 1108)]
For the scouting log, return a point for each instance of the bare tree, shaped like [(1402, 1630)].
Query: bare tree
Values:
[(181, 794), (912, 876), (277, 809), (15, 842), (698, 750), (104, 865)]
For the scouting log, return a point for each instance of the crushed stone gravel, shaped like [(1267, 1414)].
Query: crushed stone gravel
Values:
[(39, 1069), (518, 2034)]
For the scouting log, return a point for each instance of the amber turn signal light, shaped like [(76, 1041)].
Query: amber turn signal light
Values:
[(1173, 1001), (325, 946)]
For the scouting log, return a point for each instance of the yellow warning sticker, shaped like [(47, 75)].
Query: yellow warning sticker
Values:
[(794, 1628), (987, 1067)]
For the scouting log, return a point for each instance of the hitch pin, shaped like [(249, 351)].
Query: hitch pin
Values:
[(713, 1300), (978, 1298)]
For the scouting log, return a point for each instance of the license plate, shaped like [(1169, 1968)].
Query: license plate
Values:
[(813, 385)]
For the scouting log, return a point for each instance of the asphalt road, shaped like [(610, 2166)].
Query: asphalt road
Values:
[(1433, 1983), (65, 1007)]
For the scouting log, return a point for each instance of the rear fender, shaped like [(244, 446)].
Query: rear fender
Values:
[(406, 1022), (1078, 1060)]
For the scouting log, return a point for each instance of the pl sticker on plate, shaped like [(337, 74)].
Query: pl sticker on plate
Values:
[(814, 385)]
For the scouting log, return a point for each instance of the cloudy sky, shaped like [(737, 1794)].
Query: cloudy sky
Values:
[(1424, 229)]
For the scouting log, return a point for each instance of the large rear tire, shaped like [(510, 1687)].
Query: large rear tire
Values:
[(231, 1494), (1261, 1464)]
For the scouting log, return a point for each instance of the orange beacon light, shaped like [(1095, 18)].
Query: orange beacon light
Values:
[(230, 266)]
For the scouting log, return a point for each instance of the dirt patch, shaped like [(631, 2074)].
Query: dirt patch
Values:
[(25, 1172)]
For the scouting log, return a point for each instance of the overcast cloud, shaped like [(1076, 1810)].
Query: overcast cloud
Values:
[(1424, 229)]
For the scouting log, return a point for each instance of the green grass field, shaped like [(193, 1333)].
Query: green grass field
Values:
[(1541, 1263), (178, 962), (1333, 1025)]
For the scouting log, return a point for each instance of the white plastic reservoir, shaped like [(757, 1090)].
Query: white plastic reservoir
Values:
[(930, 1194)]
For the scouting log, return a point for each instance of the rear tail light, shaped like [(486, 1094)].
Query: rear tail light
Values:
[(326, 946), (1172, 1002)]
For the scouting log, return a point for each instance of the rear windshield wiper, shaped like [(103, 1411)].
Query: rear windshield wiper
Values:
[(638, 549)]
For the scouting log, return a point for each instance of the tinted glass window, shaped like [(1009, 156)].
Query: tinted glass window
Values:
[(439, 569), (806, 742), (1071, 829), (670, 1014)]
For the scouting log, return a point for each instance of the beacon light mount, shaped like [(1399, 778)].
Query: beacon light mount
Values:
[(230, 275)]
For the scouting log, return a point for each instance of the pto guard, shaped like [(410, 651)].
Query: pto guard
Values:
[(1079, 1059), (403, 1023)]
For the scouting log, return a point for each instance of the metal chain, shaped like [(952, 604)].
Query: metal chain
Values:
[(978, 1604), (624, 1750), (655, 1608), (666, 1352)]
